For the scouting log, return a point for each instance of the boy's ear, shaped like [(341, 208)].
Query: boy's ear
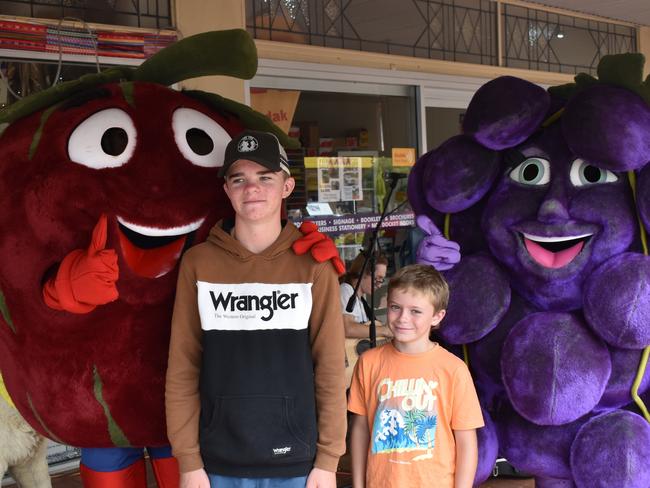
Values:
[(289, 185), (437, 318)]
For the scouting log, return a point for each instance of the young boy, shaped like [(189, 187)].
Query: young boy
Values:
[(255, 393), (415, 408)]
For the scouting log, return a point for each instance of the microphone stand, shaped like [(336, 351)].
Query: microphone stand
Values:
[(369, 253)]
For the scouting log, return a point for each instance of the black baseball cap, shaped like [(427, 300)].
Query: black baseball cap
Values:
[(262, 147)]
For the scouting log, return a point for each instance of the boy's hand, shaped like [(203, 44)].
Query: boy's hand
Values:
[(435, 249), (319, 478), (195, 479), (86, 277), (321, 246)]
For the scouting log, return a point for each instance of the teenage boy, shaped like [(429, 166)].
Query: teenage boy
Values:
[(255, 385), (415, 408)]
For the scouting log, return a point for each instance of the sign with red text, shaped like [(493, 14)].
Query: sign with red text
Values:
[(277, 105)]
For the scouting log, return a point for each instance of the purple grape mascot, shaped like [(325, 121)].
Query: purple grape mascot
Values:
[(548, 195)]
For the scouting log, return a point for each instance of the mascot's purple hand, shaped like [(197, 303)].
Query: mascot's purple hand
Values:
[(436, 250)]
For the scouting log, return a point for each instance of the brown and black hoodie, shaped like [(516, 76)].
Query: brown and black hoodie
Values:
[(255, 382)]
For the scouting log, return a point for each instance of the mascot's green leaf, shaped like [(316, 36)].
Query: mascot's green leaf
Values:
[(230, 53), (568, 90), (644, 90), (565, 91), (624, 70)]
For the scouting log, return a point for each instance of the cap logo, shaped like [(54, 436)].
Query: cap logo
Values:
[(247, 144)]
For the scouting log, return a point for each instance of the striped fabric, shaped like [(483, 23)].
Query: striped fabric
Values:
[(28, 36)]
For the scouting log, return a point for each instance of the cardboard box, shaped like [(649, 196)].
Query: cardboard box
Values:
[(339, 143), (351, 142), (309, 134), (326, 146), (363, 138)]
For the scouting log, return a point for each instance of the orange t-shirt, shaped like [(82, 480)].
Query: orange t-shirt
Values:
[(413, 402)]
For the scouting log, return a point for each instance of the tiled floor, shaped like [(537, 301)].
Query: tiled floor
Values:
[(72, 480)]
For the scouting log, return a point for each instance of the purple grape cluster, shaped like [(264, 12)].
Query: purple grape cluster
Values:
[(552, 292)]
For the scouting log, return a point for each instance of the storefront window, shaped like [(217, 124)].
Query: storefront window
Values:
[(348, 143)]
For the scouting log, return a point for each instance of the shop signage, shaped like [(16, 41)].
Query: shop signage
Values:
[(340, 224), (277, 105), (403, 157), (338, 162)]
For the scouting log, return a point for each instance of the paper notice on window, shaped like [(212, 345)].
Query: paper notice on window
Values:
[(329, 182), (352, 182), (339, 179)]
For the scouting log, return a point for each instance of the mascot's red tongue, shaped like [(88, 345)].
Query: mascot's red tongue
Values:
[(550, 259), (151, 263)]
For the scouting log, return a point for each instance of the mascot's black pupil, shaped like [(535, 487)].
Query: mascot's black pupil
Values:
[(200, 142), (592, 174), (114, 141), (531, 172)]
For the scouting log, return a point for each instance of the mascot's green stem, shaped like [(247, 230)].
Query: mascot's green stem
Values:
[(631, 176), (553, 118)]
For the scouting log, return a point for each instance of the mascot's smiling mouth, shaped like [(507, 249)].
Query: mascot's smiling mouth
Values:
[(554, 252), (152, 252)]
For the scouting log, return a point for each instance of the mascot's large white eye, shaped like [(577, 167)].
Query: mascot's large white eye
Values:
[(200, 139), (583, 174), (533, 171), (104, 140)]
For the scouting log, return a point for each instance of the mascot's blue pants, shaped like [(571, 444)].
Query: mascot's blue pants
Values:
[(123, 467)]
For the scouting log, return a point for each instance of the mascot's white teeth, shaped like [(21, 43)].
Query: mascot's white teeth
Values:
[(554, 239), (158, 232)]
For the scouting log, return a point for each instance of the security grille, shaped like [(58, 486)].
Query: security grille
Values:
[(153, 14), (458, 30), (538, 40)]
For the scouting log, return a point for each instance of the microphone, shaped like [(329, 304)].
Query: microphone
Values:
[(393, 175)]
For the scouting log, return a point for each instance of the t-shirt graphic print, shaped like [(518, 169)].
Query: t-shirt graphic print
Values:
[(406, 417)]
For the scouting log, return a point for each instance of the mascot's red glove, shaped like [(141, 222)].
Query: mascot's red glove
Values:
[(322, 247), (86, 277)]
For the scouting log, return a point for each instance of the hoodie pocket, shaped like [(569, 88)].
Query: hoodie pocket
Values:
[(254, 430)]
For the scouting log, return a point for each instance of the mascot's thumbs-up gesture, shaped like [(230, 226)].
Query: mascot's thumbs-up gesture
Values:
[(86, 277)]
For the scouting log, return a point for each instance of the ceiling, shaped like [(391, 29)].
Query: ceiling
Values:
[(635, 11)]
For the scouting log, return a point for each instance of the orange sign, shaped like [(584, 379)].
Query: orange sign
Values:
[(277, 105), (403, 156)]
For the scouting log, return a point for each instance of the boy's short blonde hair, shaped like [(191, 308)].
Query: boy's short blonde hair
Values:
[(424, 279)]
